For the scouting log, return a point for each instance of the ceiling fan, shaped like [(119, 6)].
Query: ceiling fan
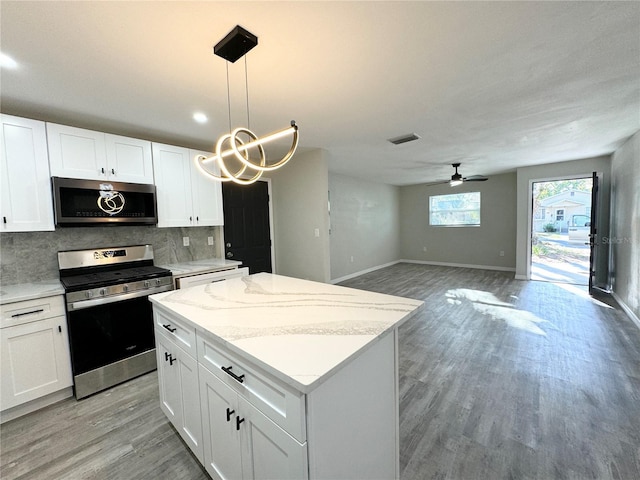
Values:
[(457, 179)]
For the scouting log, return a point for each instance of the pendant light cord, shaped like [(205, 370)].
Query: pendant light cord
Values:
[(246, 88), (228, 97)]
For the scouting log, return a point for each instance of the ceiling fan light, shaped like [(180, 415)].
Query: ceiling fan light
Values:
[(456, 182)]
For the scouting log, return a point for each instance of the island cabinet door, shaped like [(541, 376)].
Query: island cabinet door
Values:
[(220, 427), (267, 450), (168, 381), (179, 392)]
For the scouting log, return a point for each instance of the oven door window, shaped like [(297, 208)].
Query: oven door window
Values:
[(110, 332)]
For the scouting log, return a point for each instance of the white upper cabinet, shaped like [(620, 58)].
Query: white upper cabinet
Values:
[(129, 159), (185, 197), (86, 154), (26, 203), (207, 195), (173, 185)]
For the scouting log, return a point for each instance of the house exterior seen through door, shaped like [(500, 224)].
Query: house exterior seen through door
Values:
[(561, 227)]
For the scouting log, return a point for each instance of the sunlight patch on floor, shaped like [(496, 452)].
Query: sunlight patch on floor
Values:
[(488, 304)]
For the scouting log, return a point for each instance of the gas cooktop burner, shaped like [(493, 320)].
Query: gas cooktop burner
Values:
[(85, 281), (84, 270)]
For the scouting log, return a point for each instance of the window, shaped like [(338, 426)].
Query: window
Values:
[(455, 209)]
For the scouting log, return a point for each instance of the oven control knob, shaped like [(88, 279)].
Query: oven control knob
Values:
[(88, 293), (157, 281), (125, 288), (103, 291), (147, 284)]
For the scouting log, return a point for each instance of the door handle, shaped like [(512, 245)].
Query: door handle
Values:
[(238, 422), (227, 370), (229, 413)]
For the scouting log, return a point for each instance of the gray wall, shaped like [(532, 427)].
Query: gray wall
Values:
[(300, 206), (365, 223), (32, 256), (474, 246), (555, 171), (625, 224)]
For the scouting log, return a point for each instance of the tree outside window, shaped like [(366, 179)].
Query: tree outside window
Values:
[(457, 209)]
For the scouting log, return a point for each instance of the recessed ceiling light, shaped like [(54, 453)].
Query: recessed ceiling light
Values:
[(200, 117), (7, 62)]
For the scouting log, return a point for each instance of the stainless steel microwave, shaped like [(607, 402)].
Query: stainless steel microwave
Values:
[(101, 202)]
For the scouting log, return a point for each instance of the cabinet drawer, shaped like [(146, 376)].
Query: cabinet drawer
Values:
[(282, 404), (27, 311), (179, 332), (210, 277)]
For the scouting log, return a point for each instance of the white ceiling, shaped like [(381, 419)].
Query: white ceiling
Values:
[(493, 85)]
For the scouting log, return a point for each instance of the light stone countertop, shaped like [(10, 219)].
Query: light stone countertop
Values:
[(30, 291), (196, 267), (297, 330)]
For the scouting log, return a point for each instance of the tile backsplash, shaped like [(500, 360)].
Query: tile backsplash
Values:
[(33, 256)]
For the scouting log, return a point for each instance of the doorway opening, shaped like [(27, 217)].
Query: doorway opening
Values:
[(560, 230)]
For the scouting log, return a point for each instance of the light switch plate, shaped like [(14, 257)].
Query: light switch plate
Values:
[(185, 241), (209, 240)]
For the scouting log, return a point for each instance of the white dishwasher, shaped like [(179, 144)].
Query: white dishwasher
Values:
[(210, 277)]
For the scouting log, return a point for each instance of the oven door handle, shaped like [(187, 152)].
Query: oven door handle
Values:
[(116, 298)]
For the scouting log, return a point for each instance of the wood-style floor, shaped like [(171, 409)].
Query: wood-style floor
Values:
[(500, 379)]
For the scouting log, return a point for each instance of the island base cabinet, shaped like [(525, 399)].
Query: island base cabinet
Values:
[(242, 443), (353, 418), (179, 391)]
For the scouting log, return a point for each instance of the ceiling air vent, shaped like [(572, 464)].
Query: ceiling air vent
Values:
[(404, 139)]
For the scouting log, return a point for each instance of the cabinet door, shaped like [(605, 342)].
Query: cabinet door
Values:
[(168, 381), (207, 195), (35, 361), (267, 450), (172, 175), (191, 427), (76, 152), (221, 434), (180, 391), (24, 170), (128, 159)]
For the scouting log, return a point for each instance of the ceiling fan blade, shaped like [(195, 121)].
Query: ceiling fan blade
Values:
[(475, 178), (436, 183)]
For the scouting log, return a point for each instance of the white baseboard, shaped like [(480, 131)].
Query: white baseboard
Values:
[(362, 272), (634, 318), (520, 277), (460, 265)]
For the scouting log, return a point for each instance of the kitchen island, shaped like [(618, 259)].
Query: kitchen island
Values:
[(267, 376)]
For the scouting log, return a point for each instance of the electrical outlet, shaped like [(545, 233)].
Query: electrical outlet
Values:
[(209, 240), (424, 249), (316, 232), (351, 260), (185, 241), (502, 253)]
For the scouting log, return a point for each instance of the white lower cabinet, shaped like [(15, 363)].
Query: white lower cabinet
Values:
[(240, 442), (34, 351), (179, 391), (257, 426)]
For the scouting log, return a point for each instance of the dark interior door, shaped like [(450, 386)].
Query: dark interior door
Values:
[(593, 234), (247, 235)]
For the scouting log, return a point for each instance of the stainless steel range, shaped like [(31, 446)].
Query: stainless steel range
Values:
[(110, 318)]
